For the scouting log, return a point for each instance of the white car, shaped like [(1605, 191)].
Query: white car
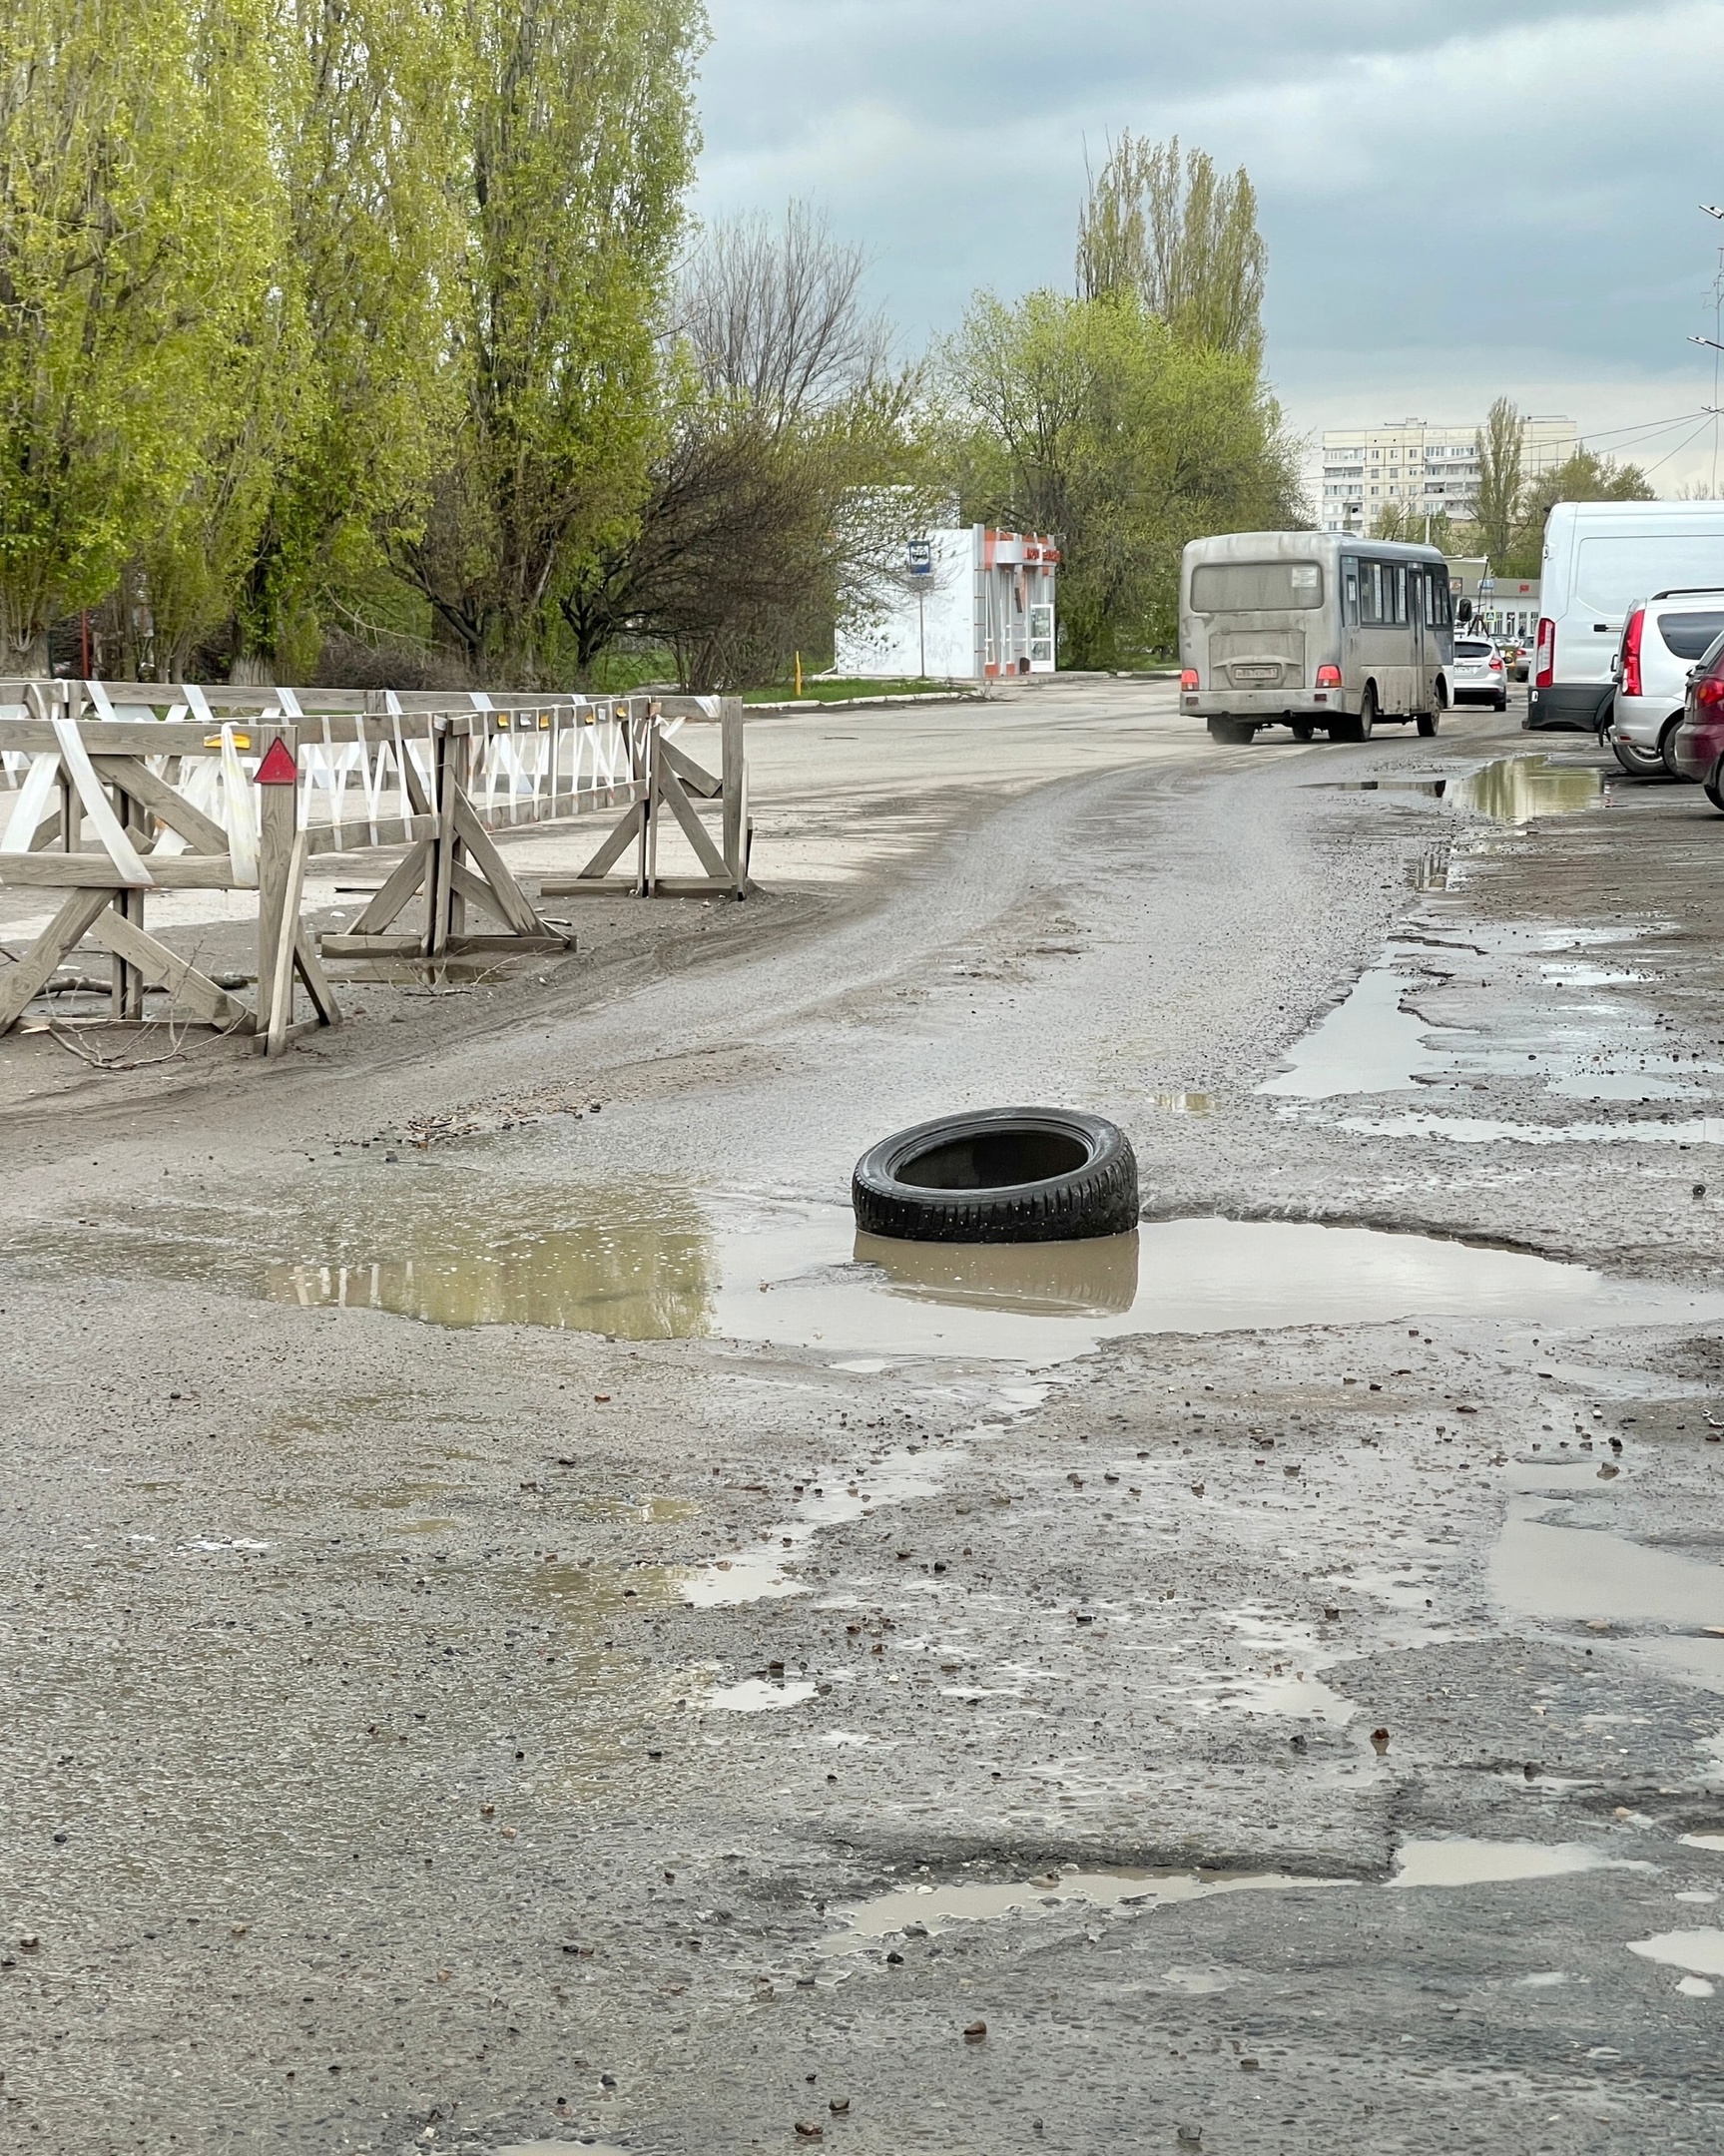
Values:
[(1661, 639), (1478, 675)]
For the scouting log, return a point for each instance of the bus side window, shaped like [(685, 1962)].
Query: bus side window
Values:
[(1399, 575), (1350, 589)]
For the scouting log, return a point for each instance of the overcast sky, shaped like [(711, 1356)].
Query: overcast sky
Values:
[(1460, 199)]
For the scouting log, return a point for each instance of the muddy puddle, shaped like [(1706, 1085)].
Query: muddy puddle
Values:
[(917, 1911), (449, 1244), (1458, 1860), (1366, 1044), (1511, 789)]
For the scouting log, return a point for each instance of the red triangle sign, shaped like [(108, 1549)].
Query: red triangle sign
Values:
[(278, 766)]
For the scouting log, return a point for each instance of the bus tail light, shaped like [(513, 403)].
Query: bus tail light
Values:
[(1328, 677), (1631, 652), (1187, 681), (1545, 662)]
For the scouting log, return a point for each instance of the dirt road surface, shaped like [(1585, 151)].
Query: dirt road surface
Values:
[(521, 1632)]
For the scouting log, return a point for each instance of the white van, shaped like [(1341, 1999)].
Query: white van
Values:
[(1600, 559)]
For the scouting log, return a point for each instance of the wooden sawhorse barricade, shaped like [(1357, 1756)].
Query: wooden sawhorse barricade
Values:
[(116, 805)]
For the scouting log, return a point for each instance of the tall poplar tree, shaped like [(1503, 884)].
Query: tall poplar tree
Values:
[(370, 145), (137, 242), (580, 135), (1181, 237)]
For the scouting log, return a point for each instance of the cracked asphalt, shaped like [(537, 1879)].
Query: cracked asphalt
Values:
[(485, 1734)]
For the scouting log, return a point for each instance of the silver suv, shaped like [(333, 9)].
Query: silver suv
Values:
[(1661, 639)]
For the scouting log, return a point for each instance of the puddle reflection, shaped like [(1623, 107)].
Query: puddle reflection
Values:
[(936, 1908), (637, 1265), (1454, 1861), (451, 1247), (1512, 790)]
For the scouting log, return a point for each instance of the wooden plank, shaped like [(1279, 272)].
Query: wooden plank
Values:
[(310, 968), (440, 901), (136, 779), (94, 871), (698, 781), (20, 982), (158, 964), (336, 946), (286, 943), (111, 834), (395, 830), (399, 888), (507, 895), (144, 738), (736, 789), (617, 844), (278, 819), (413, 947), (678, 802)]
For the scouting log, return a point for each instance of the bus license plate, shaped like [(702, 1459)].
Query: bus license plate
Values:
[(1256, 672)]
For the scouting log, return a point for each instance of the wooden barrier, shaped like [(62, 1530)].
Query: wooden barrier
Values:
[(129, 787)]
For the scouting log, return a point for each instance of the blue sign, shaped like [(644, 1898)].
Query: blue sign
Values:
[(921, 557)]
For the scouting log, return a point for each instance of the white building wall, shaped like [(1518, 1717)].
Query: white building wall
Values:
[(969, 619)]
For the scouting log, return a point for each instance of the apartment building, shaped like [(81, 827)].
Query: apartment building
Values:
[(1421, 468)]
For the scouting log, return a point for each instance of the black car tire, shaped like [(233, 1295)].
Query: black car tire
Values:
[(1001, 1175), (1428, 722), (1638, 763), (1666, 743), (1302, 730), (1361, 727), (1499, 703), (1714, 788)]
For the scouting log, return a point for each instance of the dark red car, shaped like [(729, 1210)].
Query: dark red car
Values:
[(1697, 746)]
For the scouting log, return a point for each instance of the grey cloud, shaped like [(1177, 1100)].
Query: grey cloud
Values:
[(1436, 180)]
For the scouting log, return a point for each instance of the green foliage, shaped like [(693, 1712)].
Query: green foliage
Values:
[(139, 228), (1092, 420), (1511, 509), (1181, 237), (1496, 511), (1413, 526), (582, 141)]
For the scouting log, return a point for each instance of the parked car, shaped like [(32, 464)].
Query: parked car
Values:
[(1479, 673), (1600, 557), (1696, 747), (1662, 640)]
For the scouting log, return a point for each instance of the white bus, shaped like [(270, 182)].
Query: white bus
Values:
[(1315, 631)]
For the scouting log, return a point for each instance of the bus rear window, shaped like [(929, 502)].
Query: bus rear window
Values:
[(1266, 586)]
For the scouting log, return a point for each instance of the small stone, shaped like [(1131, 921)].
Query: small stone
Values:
[(1248, 2066), (1332, 1615), (601, 1399), (895, 1958), (1197, 1489), (974, 2032), (839, 2104), (1379, 1740), (807, 2131), (1608, 1473), (1190, 2137), (1530, 1770)]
